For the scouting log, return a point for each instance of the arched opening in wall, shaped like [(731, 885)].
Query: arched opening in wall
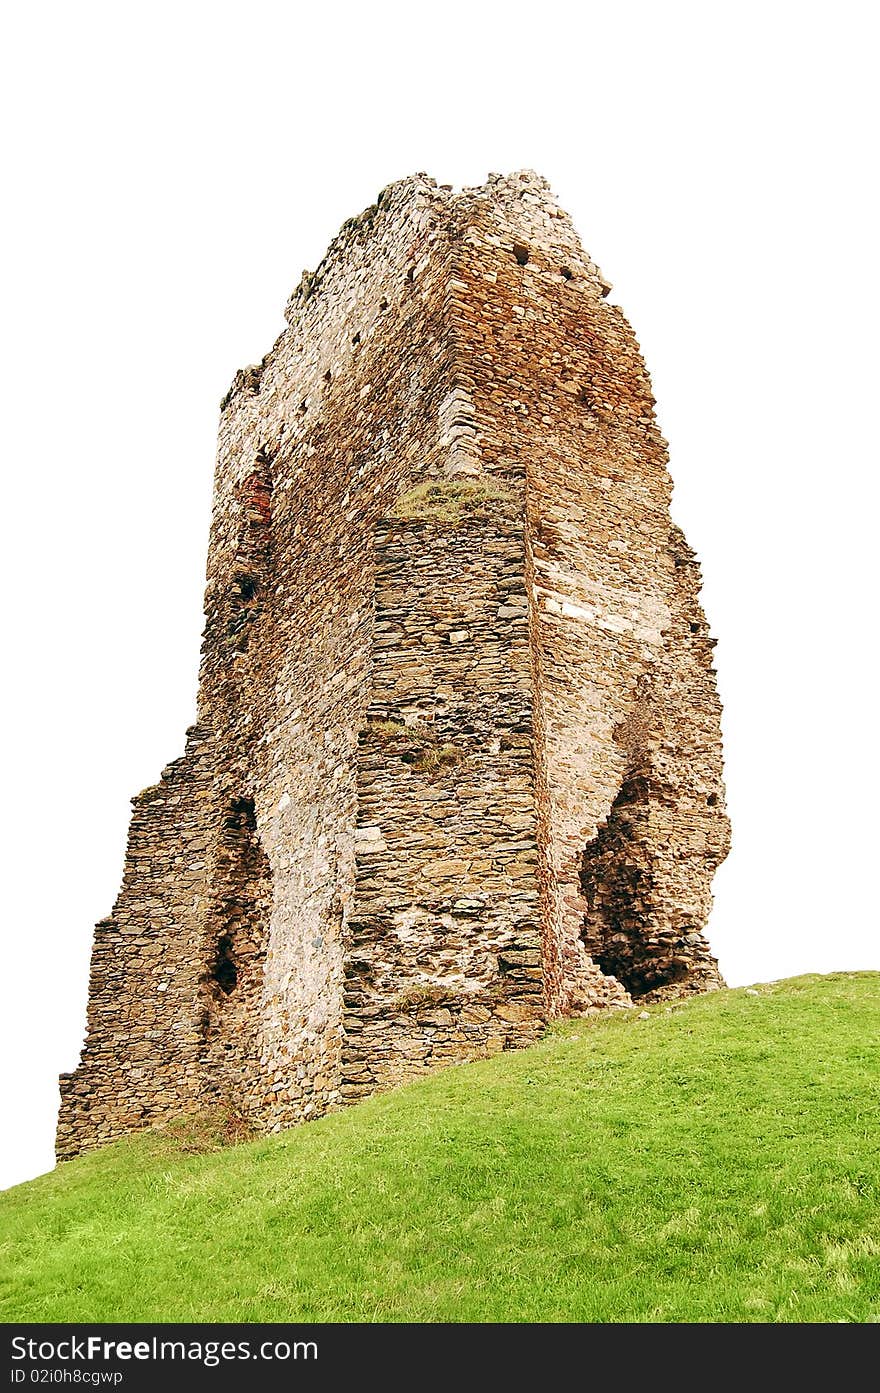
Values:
[(521, 253), (624, 930)]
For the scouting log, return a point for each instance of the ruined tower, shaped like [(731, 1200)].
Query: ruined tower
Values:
[(456, 767)]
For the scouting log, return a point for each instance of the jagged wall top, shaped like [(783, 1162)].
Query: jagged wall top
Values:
[(414, 198)]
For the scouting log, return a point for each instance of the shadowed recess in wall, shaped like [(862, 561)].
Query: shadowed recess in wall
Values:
[(234, 978), (253, 558), (244, 882), (618, 887)]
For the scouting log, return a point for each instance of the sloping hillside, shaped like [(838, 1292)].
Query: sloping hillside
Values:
[(719, 1160)]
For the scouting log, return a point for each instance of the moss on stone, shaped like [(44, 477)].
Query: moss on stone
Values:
[(433, 757), (422, 750), (420, 995), (451, 500)]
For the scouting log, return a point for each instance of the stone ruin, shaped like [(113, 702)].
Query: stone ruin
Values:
[(456, 768)]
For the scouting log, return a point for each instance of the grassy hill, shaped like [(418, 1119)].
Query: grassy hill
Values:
[(719, 1160)]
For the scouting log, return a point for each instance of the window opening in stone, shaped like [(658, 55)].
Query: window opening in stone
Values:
[(567, 275), (356, 340), (242, 816), (225, 972), (521, 253)]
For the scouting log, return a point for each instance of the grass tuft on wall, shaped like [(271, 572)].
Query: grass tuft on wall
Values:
[(450, 501)]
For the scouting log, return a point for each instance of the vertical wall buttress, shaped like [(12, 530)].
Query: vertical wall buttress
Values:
[(443, 954)]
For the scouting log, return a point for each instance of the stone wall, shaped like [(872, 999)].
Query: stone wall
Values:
[(456, 765), (143, 1054), (444, 953)]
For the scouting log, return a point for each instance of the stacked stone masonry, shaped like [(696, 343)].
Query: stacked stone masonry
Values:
[(456, 768)]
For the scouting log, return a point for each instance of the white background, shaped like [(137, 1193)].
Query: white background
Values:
[(169, 171)]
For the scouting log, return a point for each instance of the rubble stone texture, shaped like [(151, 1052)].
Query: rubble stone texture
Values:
[(456, 768)]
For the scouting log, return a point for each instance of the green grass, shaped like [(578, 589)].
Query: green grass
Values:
[(717, 1161)]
